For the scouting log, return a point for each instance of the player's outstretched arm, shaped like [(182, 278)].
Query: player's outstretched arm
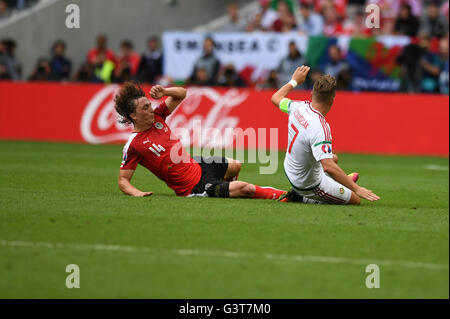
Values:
[(298, 78), (125, 186), (175, 95), (336, 173)]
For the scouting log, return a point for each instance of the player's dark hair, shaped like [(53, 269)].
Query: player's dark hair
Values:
[(125, 101), (324, 89)]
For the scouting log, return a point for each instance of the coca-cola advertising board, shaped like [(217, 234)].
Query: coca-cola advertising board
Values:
[(222, 117)]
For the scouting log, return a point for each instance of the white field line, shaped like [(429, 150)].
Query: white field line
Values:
[(226, 254), (437, 167)]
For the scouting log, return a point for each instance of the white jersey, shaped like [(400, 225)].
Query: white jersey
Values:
[(309, 142)]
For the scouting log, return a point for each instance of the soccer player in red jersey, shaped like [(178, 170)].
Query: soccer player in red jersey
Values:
[(153, 145)]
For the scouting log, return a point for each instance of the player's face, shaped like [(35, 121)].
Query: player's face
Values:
[(144, 112)]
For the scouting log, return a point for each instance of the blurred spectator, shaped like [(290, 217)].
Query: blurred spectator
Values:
[(5, 12), (42, 71), (406, 23), (60, 65), (255, 23), (200, 78), (151, 62), (208, 62), (311, 23), (271, 82), (387, 11), (353, 7), (101, 46), (229, 77), (267, 15), (84, 73), (7, 58), (387, 27), (432, 65), (102, 69), (444, 9), (285, 21), (390, 9), (411, 71), (128, 60), (290, 63), (332, 20), (235, 22), (420, 67), (337, 67), (433, 23), (415, 5), (338, 5), (4, 74), (356, 26), (332, 23), (444, 76), (124, 74)]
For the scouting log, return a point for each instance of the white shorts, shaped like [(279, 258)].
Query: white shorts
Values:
[(329, 191)]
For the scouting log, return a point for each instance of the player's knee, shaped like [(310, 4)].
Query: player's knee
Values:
[(238, 166), (234, 165)]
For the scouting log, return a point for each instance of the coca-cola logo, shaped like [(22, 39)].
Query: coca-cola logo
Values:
[(204, 116), (99, 119), (204, 106)]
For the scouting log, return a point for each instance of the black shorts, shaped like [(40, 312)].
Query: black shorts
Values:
[(212, 182)]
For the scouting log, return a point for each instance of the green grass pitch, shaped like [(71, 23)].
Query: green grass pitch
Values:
[(60, 205)]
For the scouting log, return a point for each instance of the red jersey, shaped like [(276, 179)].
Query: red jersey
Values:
[(162, 153), (92, 55), (133, 60)]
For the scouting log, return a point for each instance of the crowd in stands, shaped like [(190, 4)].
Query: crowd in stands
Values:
[(424, 69), (338, 17), (102, 65)]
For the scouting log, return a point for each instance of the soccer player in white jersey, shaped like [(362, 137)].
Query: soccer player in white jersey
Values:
[(310, 164)]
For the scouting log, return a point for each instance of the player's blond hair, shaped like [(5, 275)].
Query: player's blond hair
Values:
[(324, 89)]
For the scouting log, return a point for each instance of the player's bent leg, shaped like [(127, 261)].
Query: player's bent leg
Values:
[(243, 189), (234, 167), (331, 192)]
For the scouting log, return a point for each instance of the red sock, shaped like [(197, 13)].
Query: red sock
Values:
[(267, 192)]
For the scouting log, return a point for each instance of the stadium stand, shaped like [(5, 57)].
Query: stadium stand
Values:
[(423, 23)]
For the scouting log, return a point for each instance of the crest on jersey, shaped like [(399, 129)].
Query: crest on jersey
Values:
[(326, 148), (159, 125), (341, 190)]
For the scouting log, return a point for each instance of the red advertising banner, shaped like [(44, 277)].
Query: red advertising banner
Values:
[(383, 123)]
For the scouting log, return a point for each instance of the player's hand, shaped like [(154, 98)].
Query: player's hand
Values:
[(157, 92), (300, 74), (366, 194), (143, 194)]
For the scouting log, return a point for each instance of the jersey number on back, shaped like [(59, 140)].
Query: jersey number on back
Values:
[(293, 139), (157, 149)]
